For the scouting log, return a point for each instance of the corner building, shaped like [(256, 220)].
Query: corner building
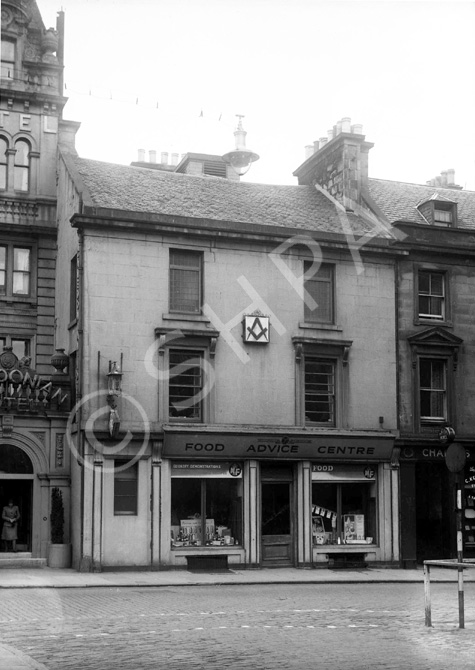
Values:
[(235, 360), (35, 389)]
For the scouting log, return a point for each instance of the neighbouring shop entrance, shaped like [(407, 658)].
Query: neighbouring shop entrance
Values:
[(16, 483), (276, 516), (434, 512)]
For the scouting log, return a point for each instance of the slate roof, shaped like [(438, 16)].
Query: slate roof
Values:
[(399, 200), (135, 189)]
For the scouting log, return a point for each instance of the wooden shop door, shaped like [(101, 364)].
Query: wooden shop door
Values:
[(276, 528)]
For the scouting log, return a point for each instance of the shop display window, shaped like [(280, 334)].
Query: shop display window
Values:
[(469, 511), (206, 510), (344, 512)]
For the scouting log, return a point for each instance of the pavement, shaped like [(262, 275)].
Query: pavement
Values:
[(12, 578)]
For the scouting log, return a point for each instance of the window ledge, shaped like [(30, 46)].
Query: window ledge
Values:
[(421, 321), (199, 318), (321, 326)]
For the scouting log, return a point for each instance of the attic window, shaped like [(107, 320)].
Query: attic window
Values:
[(444, 213), (215, 168), (439, 212)]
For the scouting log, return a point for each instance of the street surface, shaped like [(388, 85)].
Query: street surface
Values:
[(261, 627)]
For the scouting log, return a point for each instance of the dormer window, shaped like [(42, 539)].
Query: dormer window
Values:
[(439, 211), (444, 213)]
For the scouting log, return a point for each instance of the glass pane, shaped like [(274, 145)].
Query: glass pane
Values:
[(185, 505), (424, 282), (275, 508), (425, 373), (437, 284), (320, 288), (319, 391), (358, 513), (435, 307), (21, 283), (3, 258), (14, 460), (3, 176), (8, 51), (21, 259), (185, 290), (424, 304), (21, 348), (125, 489), (20, 179), (184, 259), (22, 151), (185, 384), (224, 507), (324, 513)]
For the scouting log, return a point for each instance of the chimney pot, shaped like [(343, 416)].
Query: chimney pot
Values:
[(357, 129), (174, 159), (322, 141), (443, 175), (450, 176), (338, 127), (346, 124), (141, 155), (309, 150), (152, 156), (164, 157), (330, 134)]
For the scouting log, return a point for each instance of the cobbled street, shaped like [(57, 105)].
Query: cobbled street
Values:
[(260, 627)]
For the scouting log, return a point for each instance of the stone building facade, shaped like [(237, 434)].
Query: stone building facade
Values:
[(34, 400)]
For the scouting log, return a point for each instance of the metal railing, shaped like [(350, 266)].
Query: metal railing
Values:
[(448, 563)]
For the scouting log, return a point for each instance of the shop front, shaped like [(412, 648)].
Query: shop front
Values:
[(274, 499), (428, 490)]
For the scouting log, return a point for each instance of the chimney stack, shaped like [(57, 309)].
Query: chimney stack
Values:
[(339, 163)]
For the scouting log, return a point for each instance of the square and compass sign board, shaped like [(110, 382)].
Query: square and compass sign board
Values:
[(256, 329)]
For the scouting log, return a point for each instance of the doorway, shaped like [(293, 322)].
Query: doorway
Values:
[(434, 512), (276, 516), (20, 491)]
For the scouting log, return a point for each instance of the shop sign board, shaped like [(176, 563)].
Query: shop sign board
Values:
[(338, 472), (197, 469), (435, 453), (230, 446)]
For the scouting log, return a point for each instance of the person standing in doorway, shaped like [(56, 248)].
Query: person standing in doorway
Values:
[(10, 517)]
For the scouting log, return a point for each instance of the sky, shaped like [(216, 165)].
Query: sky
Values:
[(171, 75)]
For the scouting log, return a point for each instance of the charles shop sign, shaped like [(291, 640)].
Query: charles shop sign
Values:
[(222, 445)]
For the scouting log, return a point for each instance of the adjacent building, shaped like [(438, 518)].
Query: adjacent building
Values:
[(34, 399)]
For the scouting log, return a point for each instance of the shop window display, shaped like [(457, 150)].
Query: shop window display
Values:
[(206, 511), (343, 513)]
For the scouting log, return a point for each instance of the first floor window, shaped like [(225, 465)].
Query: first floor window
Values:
[(185, 385), (344, 513), (15, 270), (206, 510), (125, 487), (319, 391), (432, 389)]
